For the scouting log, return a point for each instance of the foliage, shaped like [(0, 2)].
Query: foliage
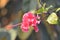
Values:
[(52, 19), (43, 9)]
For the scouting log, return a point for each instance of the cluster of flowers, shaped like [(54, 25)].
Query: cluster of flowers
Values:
[(28, 20)]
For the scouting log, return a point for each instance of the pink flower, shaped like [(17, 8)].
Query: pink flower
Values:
[(29, 19)]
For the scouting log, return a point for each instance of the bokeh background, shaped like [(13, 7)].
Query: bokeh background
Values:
[(11, 12)]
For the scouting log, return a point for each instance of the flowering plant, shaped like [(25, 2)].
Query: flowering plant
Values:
[(29, 20)]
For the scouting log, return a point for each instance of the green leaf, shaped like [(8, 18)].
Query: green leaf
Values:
[(52, 19), (58, 10), (40, 10), (48, 7), (43, 9)]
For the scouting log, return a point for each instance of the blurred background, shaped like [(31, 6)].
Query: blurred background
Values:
[(11, 12)]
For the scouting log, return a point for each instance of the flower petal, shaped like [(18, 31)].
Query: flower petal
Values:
[(36, 29)]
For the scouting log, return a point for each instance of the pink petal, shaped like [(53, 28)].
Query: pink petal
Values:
[(36, 29), (38, 17), (38, 22), (25, 26), (25, 30)]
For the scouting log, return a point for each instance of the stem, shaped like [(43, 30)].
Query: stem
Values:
[(39, 3), (16, 24)]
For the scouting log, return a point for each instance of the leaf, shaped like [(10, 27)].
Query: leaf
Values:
[(57, 9), (48, 7), (43, 9), (52, 19), (40, 11)]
